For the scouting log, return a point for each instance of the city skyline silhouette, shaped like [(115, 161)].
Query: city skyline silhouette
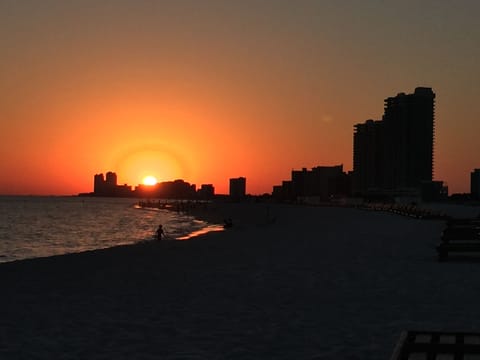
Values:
[(211, 91)]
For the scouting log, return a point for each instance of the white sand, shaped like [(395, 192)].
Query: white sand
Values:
[(319, 283)]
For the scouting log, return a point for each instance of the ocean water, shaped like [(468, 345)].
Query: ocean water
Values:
[(32, 226)]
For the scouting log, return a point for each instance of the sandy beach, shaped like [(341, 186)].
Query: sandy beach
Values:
[(316, 283)]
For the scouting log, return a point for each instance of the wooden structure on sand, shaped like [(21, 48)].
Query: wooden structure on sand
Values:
[(427, 345), (461, 236)]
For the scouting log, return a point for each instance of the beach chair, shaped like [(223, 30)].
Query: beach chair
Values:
[(460, 236), (434, 345)]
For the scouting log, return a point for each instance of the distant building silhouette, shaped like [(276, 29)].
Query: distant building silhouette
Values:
[(98, 184), (434, 191), (206, 191), (395, 154), (111, 179), (108, 186), (321, 182), (238, 188), (177, 189), (284, 192), (475, 184)]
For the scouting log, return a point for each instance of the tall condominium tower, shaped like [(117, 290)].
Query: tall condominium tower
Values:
[(367, 156), (396, 153), (409, 136)]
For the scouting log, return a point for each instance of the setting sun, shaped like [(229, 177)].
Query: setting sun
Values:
[(149, 180)]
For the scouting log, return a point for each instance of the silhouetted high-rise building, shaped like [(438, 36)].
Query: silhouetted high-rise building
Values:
[(396, 153), (475, 184), (368, 156), (409, 137)]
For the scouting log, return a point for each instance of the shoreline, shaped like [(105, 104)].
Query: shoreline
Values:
[(213, 212), (255, 215)]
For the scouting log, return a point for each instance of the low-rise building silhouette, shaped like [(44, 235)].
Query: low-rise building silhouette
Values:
[(322, 183), (177, 189), (206, 191), (283, 192), (434, 191)]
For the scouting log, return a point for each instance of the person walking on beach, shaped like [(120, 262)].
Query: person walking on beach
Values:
[(228, 223), (159, 232)]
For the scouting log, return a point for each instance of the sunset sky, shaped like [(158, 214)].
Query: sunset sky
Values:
[(210, 90)]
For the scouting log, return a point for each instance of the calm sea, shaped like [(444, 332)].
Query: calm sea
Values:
[(33, 226)]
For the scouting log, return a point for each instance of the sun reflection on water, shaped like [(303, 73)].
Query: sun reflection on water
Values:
[(202, 231)]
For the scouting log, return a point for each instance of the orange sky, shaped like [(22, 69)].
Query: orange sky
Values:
[(221, 89)]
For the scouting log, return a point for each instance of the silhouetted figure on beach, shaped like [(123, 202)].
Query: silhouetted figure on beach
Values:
[(160, 232)]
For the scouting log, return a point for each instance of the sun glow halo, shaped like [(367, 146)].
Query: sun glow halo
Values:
[(149, 180)]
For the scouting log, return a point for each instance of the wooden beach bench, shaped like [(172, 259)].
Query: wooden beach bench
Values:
[(464, 233), (461, 236), (434, 345), (466, 247), (463, 222)]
